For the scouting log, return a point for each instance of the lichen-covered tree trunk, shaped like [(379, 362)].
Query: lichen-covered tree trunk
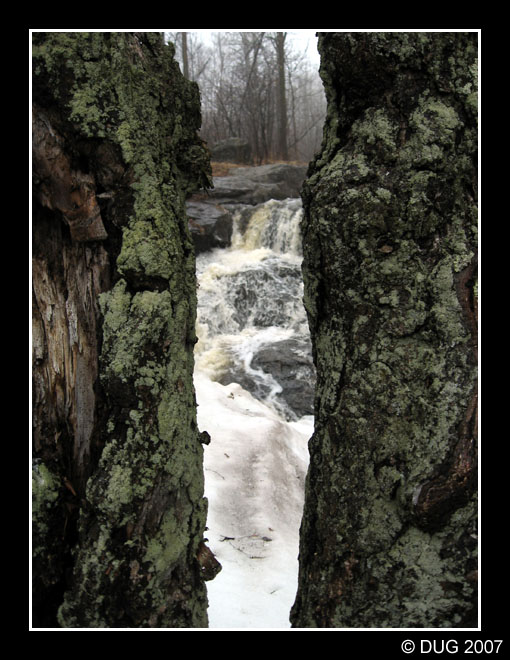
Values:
[(118, 507), (389, 531)]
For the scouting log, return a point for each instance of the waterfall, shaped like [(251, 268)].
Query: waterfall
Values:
[(254, 382), (252, 325)]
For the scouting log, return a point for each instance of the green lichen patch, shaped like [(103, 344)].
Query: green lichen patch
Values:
[(49, 547), (164, 549), (134, 329), (46, 488)]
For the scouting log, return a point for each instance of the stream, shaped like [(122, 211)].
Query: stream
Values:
[(254, 381)]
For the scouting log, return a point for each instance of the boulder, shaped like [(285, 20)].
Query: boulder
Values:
[(289, 178), (210, 225), (290, 364), (231, 150), (254, 185)]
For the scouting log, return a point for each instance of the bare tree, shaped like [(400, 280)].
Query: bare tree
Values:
[(281, 97), (191, 53), (185, 65), (255, 86)]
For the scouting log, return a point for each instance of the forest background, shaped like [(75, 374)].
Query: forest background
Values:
[(262, 87)]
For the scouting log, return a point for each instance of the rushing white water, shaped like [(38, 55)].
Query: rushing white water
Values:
[(250, 299), (254, 385)]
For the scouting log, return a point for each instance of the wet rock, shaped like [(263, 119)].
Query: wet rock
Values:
[(287, 177), (231, 150), (254, 185), (241, 190), (210, 225), (289, 363)]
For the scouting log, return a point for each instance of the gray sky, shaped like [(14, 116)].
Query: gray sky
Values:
[(306, 40), (303, 40)]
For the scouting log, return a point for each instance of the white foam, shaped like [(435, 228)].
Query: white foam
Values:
[(255, 466)]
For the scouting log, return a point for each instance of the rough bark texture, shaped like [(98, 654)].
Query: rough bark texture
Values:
[(118, 507), (389, 532)]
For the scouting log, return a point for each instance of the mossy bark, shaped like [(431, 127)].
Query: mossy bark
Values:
[(389, 531), (119, 512)]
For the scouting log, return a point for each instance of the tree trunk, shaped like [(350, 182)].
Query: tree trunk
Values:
[(118, 507), (281, 111), (389, 531), (184, 44)]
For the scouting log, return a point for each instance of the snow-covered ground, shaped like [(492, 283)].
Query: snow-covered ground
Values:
[(255, 466)]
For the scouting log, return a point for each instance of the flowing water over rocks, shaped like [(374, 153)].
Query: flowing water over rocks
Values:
[(252, 325)]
